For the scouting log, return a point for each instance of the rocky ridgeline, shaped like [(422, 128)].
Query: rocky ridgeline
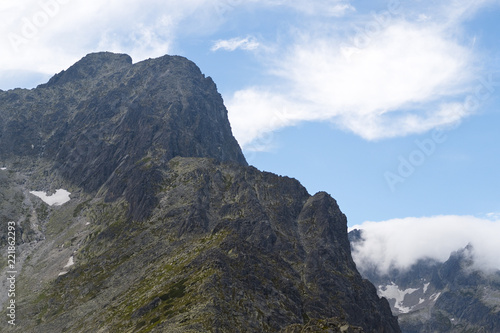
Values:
[(167, 229), (449, 297)]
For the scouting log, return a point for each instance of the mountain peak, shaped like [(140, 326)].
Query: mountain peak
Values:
[(102, 119), (91, 66)]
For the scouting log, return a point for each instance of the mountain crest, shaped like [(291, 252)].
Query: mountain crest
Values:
[(108, 121), (91, 66)]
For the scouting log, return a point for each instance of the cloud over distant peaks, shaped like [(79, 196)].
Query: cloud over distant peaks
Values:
[(400, 243)]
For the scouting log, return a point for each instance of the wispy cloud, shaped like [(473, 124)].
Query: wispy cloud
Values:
[(321, 7), (409, 79), (47, 36), (327, 8), (493, 216), (400, 243), (405, 76), (247, 43)]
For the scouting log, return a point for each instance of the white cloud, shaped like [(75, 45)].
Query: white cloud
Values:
[(408, 78), (400, 243), (405, 77), (46, 36), (49, 35), (397, 73), (255, 112), (247, 43)]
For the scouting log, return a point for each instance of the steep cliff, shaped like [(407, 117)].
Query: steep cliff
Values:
[(167, 229)]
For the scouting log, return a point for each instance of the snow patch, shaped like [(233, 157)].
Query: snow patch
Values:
[(435, 296), (426, 285), (392, 291), (3, 169), (70, 263), (57, 199)]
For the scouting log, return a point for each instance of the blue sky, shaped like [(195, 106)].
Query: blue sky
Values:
[(392, 106)]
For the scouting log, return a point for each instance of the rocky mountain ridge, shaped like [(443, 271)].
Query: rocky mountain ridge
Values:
[(100, 117), (452, 296), (167, 228)]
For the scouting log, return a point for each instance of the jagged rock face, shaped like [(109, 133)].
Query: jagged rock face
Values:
[(167, 229), (454, 296), (97, 120), (228, 249)]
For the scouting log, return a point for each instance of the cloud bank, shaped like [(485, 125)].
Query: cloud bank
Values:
[(400, 243)]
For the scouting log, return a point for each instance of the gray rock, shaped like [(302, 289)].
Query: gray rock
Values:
[(106, 120)]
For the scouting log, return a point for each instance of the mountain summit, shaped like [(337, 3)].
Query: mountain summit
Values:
[(166, 227), (98, 121)]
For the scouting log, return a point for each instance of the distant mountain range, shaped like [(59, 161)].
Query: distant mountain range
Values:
[(432, 296), (134, 210)]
